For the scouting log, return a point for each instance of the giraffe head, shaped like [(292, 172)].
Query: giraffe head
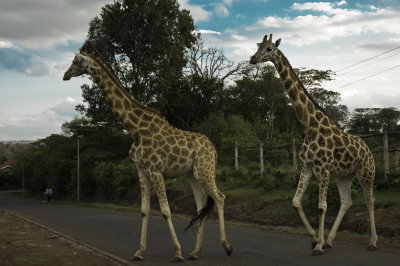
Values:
[(266, 50), (80, 65)]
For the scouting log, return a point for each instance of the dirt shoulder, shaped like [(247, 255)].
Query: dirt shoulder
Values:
[(25, 243)]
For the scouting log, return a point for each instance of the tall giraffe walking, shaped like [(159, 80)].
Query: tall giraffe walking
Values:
[(159, 150), (326, 151)]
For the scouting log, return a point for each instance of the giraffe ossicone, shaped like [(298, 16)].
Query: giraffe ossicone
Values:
[(326, 151), (159, 150)]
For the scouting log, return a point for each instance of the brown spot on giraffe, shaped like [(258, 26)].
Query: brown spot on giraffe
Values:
[(340, 151)]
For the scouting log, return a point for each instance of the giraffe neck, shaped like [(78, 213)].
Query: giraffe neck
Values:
[(306, 110), (131, 113)]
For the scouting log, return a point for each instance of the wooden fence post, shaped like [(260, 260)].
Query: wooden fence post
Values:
[(294, 154), (261, 161), (236, 157), (397, 156), (386, 154)]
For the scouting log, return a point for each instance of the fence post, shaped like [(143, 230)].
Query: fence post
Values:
[(236, 157), (294, 153), (386, 154), (261, 160), (397, 156)]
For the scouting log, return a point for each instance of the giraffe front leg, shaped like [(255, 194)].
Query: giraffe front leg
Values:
[(323, 180), (145, 209), (304, 181), (159, 187)]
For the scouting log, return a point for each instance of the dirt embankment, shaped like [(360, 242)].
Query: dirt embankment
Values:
[(281, 213)]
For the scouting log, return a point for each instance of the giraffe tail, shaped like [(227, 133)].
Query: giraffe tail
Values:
[(202, 213)]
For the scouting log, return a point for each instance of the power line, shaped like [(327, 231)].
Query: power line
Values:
[(368, 59), (368, 77), (367, 65)]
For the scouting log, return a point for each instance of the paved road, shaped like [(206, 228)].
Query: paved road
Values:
[(118, 233)]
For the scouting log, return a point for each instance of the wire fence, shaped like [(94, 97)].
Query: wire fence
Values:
[(384, 146)]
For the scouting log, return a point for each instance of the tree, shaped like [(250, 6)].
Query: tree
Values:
[(144, 43), (210, 63), (328, 100), (372, 120), (200, 92), (258, 97)]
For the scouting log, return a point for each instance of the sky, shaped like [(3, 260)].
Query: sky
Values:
[(38, 39)]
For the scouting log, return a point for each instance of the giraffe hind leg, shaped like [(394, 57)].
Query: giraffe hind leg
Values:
[(219, 199), (344, 187), (202, 210), (367, 188)]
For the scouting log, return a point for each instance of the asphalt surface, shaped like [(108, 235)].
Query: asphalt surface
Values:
[(118, 233)]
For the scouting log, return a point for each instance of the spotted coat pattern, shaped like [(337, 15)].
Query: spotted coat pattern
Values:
[(159, 150), (326, 151)]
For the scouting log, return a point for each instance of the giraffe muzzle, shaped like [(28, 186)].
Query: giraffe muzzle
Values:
[(67, 76)]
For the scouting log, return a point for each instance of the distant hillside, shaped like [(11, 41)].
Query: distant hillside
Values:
[(17, 141)]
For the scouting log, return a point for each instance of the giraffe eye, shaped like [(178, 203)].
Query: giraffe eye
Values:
[(269, 49), (75, 62)]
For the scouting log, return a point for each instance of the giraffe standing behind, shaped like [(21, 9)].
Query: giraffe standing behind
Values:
[(326, 151), (159, 150)]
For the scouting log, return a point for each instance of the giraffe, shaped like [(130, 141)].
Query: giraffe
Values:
[(159, 150), (326, 151)]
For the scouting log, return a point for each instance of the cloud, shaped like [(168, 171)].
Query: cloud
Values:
[(42, 23), (332, 23), (221, 10), (5, 44), (198, 12), (209, 32), (65, 109), (39, 125), (32, 62)]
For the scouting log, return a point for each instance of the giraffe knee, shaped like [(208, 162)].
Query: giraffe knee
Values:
[(296, 203), (346, 204), (322, 208)]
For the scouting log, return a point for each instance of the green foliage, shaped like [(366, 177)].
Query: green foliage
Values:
[(226, 131), (367, 120), (144, 43), (114, 180)]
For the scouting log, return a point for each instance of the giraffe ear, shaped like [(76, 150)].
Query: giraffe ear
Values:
[(277, 42)]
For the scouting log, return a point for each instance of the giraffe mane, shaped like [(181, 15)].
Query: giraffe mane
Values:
[(118, 83), (286, 61)]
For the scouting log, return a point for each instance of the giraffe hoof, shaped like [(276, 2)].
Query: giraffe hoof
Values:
[(371, 248), (326, 246), (228, 249), (317, 252), (313, 245), (178, 259), (137, 258), (193, 257)]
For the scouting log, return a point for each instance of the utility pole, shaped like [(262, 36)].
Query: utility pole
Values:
[(236, 157), (23, 179), (77, 184), (385, 154)]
